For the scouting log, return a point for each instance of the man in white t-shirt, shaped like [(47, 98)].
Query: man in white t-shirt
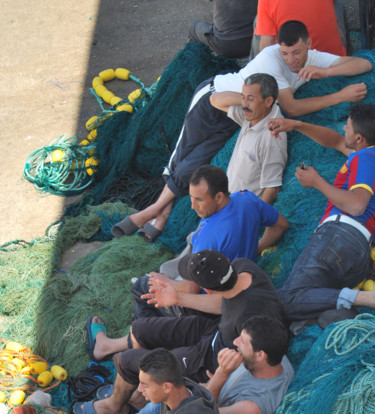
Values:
[(206, 129)]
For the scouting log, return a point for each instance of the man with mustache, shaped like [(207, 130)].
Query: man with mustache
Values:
[(257, 164)]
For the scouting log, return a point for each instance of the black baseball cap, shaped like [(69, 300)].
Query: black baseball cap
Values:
[(208, 269)]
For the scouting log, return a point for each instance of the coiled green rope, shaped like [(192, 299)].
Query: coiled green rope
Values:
[(64, 178)]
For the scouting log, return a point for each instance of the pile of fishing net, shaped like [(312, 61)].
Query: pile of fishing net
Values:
[(46, 308)]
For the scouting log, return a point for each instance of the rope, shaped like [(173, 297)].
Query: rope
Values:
[(66, 175), (349, 335)]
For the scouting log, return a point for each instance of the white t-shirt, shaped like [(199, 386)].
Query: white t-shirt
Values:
[(270, 61)]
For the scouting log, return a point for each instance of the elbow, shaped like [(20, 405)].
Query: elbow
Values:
[(357, 211), (213, 100), (292, 111), (368, 66)]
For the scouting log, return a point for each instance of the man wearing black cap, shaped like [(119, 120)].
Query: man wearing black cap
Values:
[(246, 291)]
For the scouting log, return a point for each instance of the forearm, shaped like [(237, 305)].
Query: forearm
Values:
[(223, 100), (323, 136), (269, 194), (299, 107), (348, 66), (266, 41), (345, 200), (273, 233), (215, 384), (209, 303)]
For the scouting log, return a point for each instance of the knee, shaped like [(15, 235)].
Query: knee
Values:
[(140, 287)]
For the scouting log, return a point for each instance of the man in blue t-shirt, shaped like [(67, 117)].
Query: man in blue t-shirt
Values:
[(230, 224), (337, 256)]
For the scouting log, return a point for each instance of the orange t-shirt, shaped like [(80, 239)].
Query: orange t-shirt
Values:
[(318, 15)]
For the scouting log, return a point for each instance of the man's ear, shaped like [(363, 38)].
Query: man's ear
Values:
[(309, 43), (261, 356), (167, 387), (269, 101), (219, 197)]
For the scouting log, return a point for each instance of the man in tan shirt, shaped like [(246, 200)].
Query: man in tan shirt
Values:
[(258, 161)]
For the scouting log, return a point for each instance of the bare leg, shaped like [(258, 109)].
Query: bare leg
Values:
[(154, 210), (365, 298), (118, 401), (107, 346)]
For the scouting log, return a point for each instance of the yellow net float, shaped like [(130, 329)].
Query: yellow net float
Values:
[(97, 81), (100, 90), (369, 285), (373, 253), (107, 75), (92, 135), (89, 164), (125, 107), (115, 100), (135, 95), (17, 397), (122, 73), (90, 122)]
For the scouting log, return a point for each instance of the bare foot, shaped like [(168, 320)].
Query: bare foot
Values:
[(99, 351)]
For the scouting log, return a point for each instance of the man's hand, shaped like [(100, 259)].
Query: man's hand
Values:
[(161, 292), (312, 72), (308, 177), (277, 125), (229, 360), (353, 93)]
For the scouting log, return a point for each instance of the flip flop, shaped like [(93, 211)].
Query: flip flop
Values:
[(125, 227), (149, 232), (88, 407), (104, 392), (92, 330)]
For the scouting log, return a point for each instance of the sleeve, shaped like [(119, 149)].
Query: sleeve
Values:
[(321, 59), (269, 61), (205, 240), (274, 156), (363, 176), (235, 112), (265, 26), (269, 214)]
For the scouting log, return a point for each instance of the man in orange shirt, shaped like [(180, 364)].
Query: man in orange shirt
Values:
[(319, 16)]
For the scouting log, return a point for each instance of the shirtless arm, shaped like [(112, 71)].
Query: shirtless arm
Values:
[(344, 66), (162, 293), (269, 194), (223, 100), (266, 41), (273, 233), (298, 107), (324, 136), (353, 201)]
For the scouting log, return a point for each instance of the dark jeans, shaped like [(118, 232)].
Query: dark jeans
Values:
[(336, 256), (205, 131)]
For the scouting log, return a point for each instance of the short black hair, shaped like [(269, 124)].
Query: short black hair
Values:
[(291, 32), (268, 335), (215, 177), (363, 119), (163, 366), (267, 83)]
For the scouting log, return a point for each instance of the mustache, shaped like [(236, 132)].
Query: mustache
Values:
[(245, 108)]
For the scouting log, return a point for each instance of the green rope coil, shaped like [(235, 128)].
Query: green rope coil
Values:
[(64, 178)]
